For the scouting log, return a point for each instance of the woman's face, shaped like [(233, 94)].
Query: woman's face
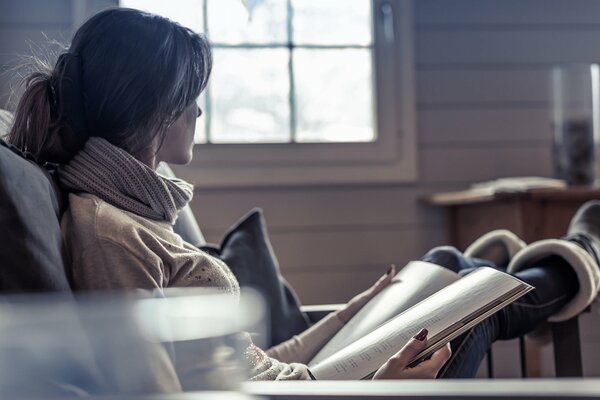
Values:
[(178, 144)]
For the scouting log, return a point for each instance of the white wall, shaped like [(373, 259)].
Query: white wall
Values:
[(35, 27), (482, 80)]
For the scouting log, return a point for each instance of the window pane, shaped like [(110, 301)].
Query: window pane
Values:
[(187, 12), (200, 132), (249, 96), (229, 22), (332, 22), (334, 99)]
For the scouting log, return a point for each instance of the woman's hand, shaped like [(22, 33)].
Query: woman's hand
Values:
[(358, 301), (396, 367)]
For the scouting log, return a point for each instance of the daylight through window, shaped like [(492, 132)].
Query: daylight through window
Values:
[(286, 71)]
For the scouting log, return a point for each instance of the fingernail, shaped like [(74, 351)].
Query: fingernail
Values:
[(421, 335)]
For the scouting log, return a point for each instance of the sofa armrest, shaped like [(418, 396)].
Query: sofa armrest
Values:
[(317, 312)]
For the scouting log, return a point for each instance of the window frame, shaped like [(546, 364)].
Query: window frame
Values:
[(391, 158)]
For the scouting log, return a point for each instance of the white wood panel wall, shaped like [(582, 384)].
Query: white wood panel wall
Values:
[(483, 112), (34, 27), (482, 81)]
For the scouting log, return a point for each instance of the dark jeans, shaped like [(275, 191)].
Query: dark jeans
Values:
[(555, 284)]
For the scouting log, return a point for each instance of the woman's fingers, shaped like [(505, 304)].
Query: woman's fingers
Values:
[(432, 366), (387, 278), (358, 301), (442, 355), (411, 349), (383, 281), (396, 367)]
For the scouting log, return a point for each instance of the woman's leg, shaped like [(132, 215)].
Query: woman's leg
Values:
[(565, 274), (451, 258), (468, 349), (555, 283)]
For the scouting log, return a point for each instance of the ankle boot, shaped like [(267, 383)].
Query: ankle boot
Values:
[(584, 229), (498, 246), (580, 249)]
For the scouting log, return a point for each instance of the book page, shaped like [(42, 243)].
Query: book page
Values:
[(458, 305), (413, 283)]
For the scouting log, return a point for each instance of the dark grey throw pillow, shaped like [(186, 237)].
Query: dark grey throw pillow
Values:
[(246, 249), (30, 242)]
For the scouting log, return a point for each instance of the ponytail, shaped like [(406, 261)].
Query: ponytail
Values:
[(48, 121), (33, 120)]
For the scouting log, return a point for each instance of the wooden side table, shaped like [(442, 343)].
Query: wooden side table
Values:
[(532, 215)]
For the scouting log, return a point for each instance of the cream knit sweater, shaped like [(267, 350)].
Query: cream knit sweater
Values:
[(112, 247)]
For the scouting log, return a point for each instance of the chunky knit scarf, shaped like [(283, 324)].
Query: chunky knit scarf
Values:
[(116, 177)]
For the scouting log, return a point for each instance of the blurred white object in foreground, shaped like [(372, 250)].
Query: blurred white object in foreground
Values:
[(54, 346)]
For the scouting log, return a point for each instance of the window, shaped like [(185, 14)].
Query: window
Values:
[(302, 91)]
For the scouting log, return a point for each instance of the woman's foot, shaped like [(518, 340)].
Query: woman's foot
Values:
[(584, 229), (498, 246), (579, 249)]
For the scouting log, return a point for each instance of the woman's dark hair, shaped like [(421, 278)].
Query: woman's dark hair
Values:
[(126, 77)]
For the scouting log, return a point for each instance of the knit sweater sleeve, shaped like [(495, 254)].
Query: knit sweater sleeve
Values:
[(107, 265), (303, 347), (261, 367)]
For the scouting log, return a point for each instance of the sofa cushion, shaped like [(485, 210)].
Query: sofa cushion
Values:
[(30, 244), (246, 249)]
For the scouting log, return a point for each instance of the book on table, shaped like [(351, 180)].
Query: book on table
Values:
[(421, 295)]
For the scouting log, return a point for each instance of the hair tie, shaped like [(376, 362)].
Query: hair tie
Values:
[(52, 93)]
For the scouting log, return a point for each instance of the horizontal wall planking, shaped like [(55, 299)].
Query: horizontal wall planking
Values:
[(590, 352), (16, 43), (506, 359), (317, 208), (457, 87), (506, 12), (35, 11), (589, 328), (476, 164), (341, 250), (331, 286), (9, 83), (589, 324), (365, 248), (518, 46), (99, 5), (506, 127)]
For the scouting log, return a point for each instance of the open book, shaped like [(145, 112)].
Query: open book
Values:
[(422, 295)]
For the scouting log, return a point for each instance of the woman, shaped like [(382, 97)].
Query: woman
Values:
[(118, 102), (121, 100)]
